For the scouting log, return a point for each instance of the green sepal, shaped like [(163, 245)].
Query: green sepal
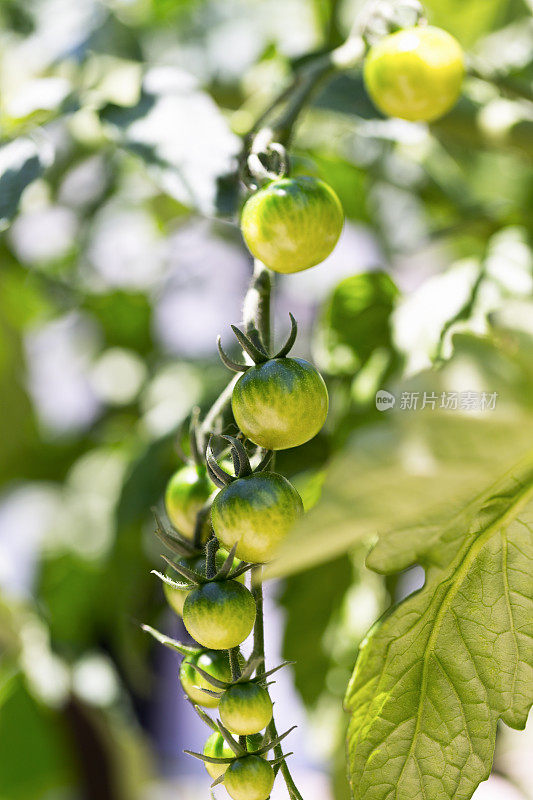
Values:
[(172, 644)]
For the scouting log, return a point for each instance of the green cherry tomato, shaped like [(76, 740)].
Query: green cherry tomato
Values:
[(281, 403), (217, 747), (256, 513), (245, 708), (292, 224), (186, 492), (220, 614), (249, 778), (215, 663), (176, 597), (416, 73)]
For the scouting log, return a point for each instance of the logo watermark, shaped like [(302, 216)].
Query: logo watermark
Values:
[(384, 400), (450, 401)]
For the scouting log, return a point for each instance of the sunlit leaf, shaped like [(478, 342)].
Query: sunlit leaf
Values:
[(22, 161)]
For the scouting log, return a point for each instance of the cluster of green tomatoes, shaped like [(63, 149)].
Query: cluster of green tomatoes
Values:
[(278, 402)]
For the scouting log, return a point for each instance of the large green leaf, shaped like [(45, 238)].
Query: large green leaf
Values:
[(437, 673)]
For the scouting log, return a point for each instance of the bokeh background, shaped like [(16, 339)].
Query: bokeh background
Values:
[(121, 262)]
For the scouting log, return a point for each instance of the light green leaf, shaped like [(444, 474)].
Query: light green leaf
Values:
[(437, 673)]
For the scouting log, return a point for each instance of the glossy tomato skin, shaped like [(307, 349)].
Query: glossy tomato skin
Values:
[(215, 663), (176, 597), (256, 513), (281, 403), (187, 491), (292, 224), (249, 778), (217, 747), (245, 708), (220, 614), (416, 73)]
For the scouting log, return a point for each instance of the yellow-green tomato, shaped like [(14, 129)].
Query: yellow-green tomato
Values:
[(415, 74), (249, 778), (220, 614), (292, 224), (217, 747), (186, 493), (281, 403), (215, 663), (245, 708), (256, 513), (176, 597)]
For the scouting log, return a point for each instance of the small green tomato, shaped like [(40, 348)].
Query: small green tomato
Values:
[(292, 224), (186, 493), (245, 708), (220, 614), (249, 778), (176, 597), (256, 513), (217, 747), (215, 663), (416, 73), (281, 403)]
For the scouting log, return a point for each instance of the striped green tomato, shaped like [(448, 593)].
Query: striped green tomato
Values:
[(186, 493), (416, 73), (220, 614), (176, 597), (256, 513), (281, 403), (245, 708), (249, 778), (292, 224)]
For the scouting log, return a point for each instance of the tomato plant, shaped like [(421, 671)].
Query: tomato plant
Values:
[(158, 186)]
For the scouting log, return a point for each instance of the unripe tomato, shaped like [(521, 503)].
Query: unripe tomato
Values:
[(176, 597), (215, 663), (292, 224), (249, 778), (281, 403), (186, 492), (416, 73), (245, 708), (217, 747), (256, 513), (220, 614)]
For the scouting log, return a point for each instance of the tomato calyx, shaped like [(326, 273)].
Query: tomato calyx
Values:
[(245, 676), (185, 548), (241, 462), (253, 346), (193, 579)]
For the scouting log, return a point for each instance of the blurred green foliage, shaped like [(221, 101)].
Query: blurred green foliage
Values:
[(120, 124)]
